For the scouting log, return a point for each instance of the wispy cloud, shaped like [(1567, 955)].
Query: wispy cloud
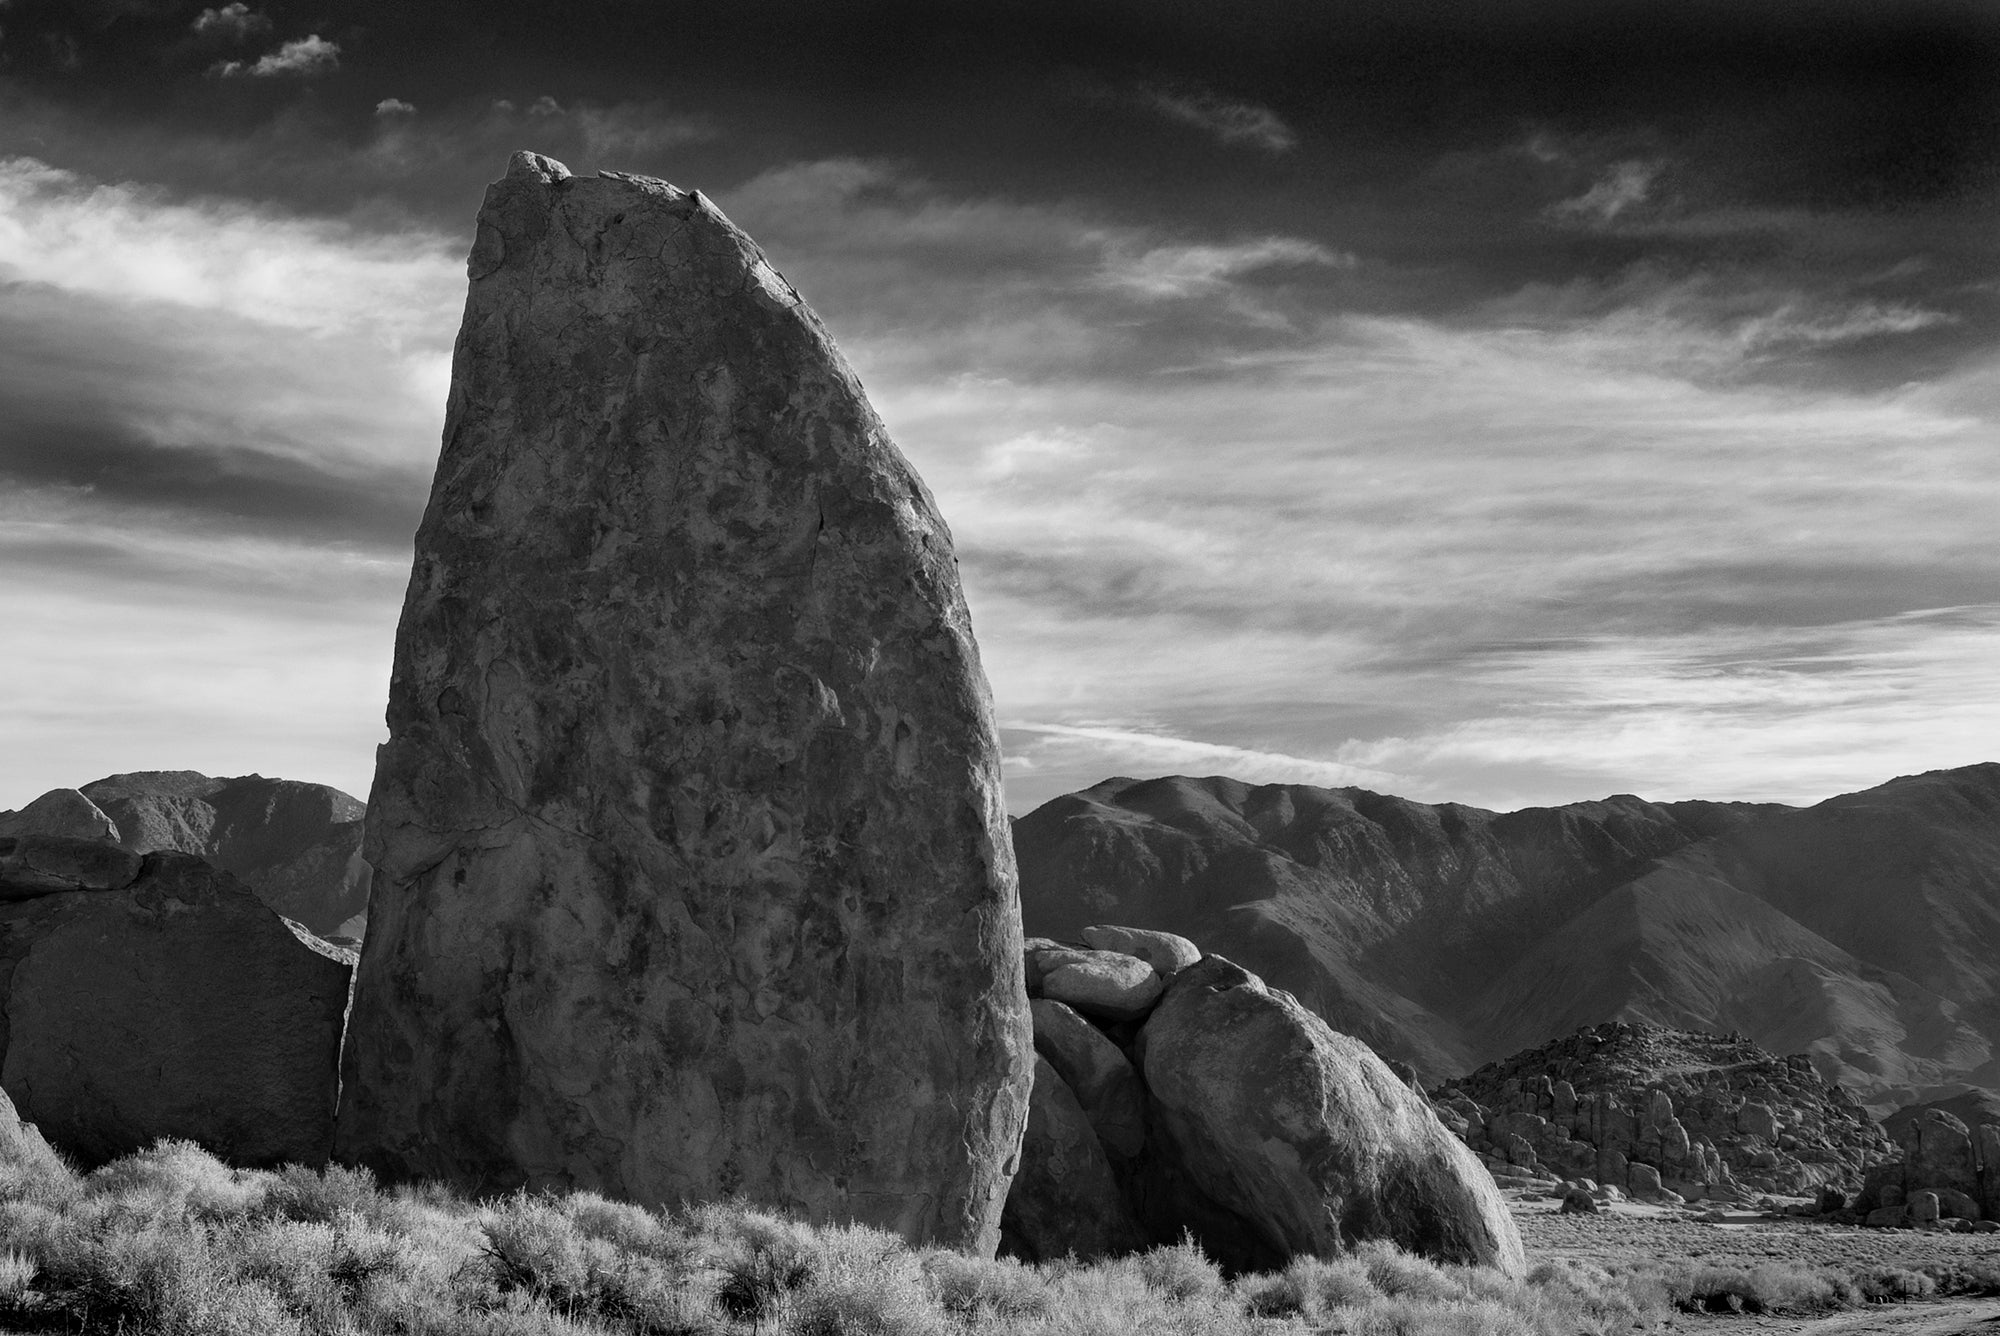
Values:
[(126, 243), (1184, 270), (1228, 120), (1069, 752), (220, 419), (1217, 508), (303, 58), (1627, 184)]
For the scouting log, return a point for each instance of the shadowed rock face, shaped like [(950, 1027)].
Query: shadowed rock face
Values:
[(693, 877), (1065, 1200), (173, 1005)]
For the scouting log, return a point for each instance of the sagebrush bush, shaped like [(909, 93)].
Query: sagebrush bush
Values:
[(172, 1241), (1180, 1271), (972, 1288)]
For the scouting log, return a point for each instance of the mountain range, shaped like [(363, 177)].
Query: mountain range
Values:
[(1863, 931)]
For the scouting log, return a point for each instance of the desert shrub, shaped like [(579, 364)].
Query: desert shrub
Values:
[(1401, 1275), (1180, 1271), (1412, 1316), (534, 1247), (971, 1288), (1308, 1287), (311, 1195), (1883, 1284), (172, 1178), (1584, 1296), (1789, 1287), (624, 1225), (1964, 1275), (854, 1306), (291, 1259)]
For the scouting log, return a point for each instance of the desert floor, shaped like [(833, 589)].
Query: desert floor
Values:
[(1748, 1239)]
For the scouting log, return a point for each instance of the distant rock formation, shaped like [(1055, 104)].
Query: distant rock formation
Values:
[(693, 877), (297, 845), (1655, 1111), (159, 997), (1864, 931), (1945, 1169), (1221, 1108)]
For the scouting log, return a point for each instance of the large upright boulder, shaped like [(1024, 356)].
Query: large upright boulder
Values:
[(1305, 1134), (692, 873)]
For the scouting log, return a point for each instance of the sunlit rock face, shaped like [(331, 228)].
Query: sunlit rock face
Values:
[(692, 873)]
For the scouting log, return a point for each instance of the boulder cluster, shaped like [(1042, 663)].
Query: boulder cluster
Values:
[(1177, 1093), (1947, 1176), (1663, 1115)]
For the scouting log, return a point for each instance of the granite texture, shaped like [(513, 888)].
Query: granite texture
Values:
[(692, 873), (1305, 1133)]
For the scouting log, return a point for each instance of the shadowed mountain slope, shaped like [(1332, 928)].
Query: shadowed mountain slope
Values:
[(1865, 930)]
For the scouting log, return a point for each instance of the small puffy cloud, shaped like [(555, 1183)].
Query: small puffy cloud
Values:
[(395, 106), (306, 57), (545, 106), (233, 22), (1226, 119), (1626, 184)]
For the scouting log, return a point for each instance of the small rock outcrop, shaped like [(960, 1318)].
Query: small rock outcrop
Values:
[(1939, 1157), (61, 812), (1655, 1112), (37, 865), (175, 1004), (1228, 1111), (693, 876), (23, 1147)]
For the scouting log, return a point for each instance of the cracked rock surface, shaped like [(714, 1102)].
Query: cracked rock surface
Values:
[(692, 872)]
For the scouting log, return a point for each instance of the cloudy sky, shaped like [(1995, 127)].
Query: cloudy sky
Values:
[(1503, 402)]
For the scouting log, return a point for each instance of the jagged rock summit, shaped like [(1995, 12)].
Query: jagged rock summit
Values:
[(692, 873)]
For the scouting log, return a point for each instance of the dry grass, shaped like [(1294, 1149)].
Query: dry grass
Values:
[(173, 1241)]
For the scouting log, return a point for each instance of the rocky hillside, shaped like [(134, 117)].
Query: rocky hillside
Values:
[(297, 845), (1864, 931), (1654, 1110)]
